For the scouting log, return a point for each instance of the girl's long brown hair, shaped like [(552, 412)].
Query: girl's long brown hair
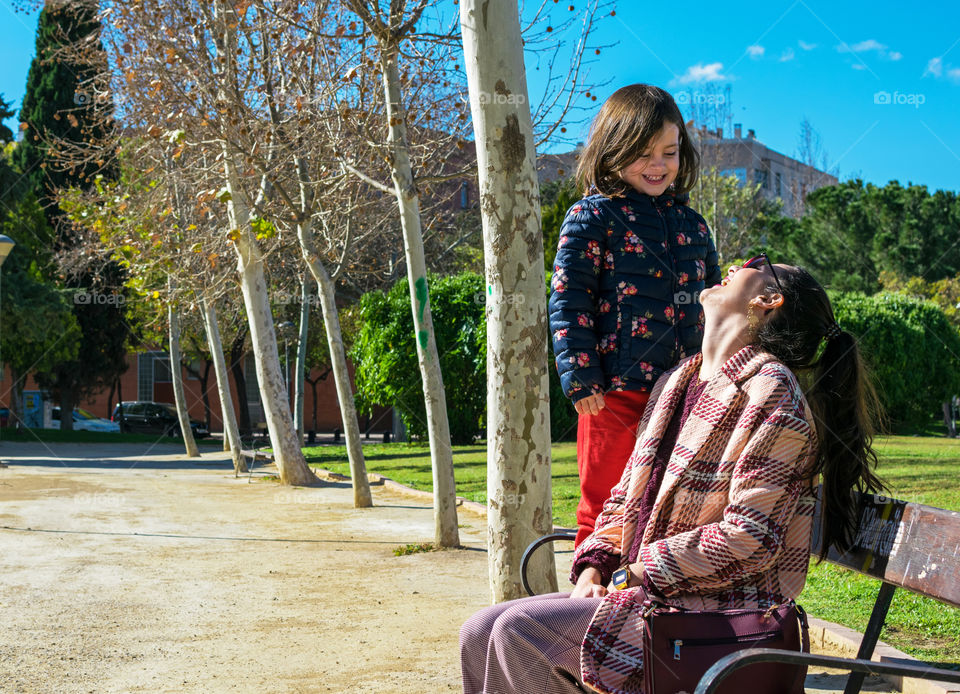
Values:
[(622, 132), (842, 399)]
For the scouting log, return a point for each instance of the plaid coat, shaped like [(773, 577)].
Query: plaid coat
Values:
[(732, 522)]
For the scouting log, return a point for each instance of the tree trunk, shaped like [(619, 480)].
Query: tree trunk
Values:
[(237, 355), (176, 374), (66, 409), (205, 393), (231, 435), (287, 452), (301, 356), (16, 398), (362, 496), (519, 507), (408, 199)]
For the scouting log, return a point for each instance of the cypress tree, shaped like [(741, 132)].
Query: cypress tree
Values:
[(60, 112)]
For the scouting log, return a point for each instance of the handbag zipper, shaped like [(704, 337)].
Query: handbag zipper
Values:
[(677, 643)]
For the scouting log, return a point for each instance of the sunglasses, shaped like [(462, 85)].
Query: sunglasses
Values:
[(757, 261)]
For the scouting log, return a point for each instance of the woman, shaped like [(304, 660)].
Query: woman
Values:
[(715, 507)]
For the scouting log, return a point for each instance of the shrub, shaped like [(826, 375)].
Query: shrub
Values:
[(912, 349)]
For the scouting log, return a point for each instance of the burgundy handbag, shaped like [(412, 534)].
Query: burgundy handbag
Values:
[(679, 646)]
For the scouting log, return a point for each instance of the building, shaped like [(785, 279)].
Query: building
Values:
[(750, 160), (148, 377)]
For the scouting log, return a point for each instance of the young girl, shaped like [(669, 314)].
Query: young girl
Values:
[(631, 263), (715, 509)]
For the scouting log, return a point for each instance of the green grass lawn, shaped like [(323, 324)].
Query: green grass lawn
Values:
[(923, 469)]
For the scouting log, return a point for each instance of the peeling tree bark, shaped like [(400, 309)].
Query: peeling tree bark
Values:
[(518, 407), (301, 365), (287, 453), (176, 374), (408, 199), (231, 433), (362, 496)]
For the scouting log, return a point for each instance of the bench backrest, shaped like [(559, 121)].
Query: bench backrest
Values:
[(904, 544)]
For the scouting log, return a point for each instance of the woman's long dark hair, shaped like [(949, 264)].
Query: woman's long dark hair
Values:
[(842, 398)]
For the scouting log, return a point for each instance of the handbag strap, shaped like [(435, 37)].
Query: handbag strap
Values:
[(804, 629)]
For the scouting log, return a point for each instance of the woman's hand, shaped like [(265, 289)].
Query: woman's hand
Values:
[(592, 404), (588, 584)]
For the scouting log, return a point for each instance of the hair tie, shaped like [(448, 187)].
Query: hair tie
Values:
[(833, 331)]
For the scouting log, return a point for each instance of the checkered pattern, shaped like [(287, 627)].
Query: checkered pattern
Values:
[(731, 525)]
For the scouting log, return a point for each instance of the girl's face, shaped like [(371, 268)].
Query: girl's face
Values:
[(656, 168)]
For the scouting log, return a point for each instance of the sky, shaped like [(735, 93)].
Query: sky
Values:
[(879, 81)]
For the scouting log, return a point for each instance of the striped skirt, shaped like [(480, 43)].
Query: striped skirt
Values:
[(526, 646)]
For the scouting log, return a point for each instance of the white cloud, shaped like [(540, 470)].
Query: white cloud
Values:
[(787, 55), (756, 51), (806, 46), (934, 67), (871, 46), (954, 74), (702, 73), (859, 66), (864, 46)]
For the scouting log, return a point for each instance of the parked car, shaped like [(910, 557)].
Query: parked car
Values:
[(144, 417), (85, 421)]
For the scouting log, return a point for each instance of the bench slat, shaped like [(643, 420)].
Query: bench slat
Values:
[(909, 545)]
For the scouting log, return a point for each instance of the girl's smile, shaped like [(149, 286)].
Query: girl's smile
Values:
[(658, 166)]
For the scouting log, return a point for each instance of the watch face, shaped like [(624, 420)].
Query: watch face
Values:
[(620, 579)]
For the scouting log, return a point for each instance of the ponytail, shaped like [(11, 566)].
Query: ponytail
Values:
[(842, 399), (845, 408)]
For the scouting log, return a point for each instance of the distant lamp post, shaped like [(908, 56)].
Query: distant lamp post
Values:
[(6, 245)]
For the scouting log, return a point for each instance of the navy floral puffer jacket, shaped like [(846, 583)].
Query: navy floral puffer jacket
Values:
[(624, 302)]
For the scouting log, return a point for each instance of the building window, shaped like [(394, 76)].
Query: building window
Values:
[(161, 369), (778, 182), (146, 373), (760, 176), (464, 195)]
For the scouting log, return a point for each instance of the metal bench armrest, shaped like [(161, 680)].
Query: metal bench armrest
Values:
[(723, 667), (534, 546)]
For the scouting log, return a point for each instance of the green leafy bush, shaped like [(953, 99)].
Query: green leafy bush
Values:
[(912, 349), (386, 361)]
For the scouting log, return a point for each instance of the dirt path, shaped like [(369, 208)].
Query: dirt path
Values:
[(157, 574), (122, 571)]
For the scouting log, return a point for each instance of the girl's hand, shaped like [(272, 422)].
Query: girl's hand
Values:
[(588, 585), (592, 404)]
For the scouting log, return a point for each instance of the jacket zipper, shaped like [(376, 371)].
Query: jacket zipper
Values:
[(677, 643), (673, 280)]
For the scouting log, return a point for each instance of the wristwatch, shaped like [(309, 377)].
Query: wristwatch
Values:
[(621, 579)]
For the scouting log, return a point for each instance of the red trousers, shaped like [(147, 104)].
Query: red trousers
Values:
[(604, 443)]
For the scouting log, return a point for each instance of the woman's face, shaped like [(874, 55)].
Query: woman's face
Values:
[(738, 289), (657, 167)]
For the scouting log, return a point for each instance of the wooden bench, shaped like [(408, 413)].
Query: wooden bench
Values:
[(905, 545)]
